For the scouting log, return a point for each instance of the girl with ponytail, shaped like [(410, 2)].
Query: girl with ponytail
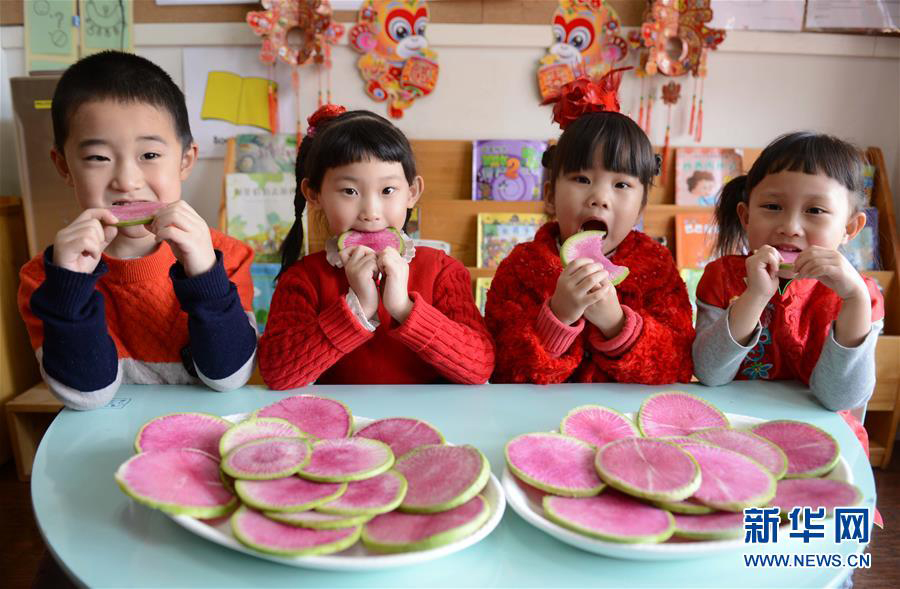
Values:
[(353, 315), (783, 302)]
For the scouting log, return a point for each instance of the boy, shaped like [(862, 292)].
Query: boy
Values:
[(162, 303)]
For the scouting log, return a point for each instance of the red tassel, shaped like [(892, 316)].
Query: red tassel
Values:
[(693, 107), (650, 101), (295, 81), (699, 137), (665, 154), (640, 120)]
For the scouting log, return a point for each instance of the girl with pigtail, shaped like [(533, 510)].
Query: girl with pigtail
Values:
[(354, 315), (783, 302), (576, 322)]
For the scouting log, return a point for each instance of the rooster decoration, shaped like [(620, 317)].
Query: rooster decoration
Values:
[(397, 65)]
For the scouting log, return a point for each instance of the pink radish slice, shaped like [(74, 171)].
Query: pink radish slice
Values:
[(317, 416), (287, 494), (810, 451), (589, 244), (402, 434), (182, 430), (678, 440), (689, 506), (730, 481), (788, 259), (440, 478), (711, 526), (255, 530), (554, 463), (347, 459), (268, 458), (255, 429), (597, 425), (649, 469), (814, 493), (377, 240), (180, 481), (135, 213), (378, 494), (403, 532), (610, 516), (756, 447), (317, 520), (675, 413)]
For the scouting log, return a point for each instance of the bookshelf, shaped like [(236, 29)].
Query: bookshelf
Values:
[(447, 213)]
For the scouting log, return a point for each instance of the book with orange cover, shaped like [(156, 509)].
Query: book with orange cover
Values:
[(695, 238)]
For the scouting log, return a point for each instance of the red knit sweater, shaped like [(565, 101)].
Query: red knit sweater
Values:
[(312, 335), (654, 346)]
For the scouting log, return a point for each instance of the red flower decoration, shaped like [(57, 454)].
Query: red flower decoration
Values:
[(583, 95), (324, 113)]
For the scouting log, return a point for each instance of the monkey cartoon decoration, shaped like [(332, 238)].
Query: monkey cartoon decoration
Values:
[(397, 65), (587, 41)]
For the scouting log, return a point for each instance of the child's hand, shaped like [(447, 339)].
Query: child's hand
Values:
[(762, 272), (396, 279), (360, 267), (78, 246), (577, 289), (606, 314), (833, 270), (187, 234)]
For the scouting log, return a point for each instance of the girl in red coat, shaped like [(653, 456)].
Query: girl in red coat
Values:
[(789, 305), (553, 324), (352, 315)]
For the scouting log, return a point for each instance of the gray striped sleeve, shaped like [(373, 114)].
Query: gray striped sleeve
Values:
[(717, 357), (844, 378)]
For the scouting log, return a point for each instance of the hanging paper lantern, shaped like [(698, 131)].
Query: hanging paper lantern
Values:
[(397, 65), (587, 41)]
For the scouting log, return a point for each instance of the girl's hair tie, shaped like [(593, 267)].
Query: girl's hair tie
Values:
[(547, 157), (659, 160), (323, 114), (583, 95)]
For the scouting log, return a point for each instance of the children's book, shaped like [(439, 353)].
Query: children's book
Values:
[(414, 224), (507, 169), (695, 238), (261, 211), (868, 175), (482, 285), (242, 101), (701, 172), (691, 277), (499, 233), (862, 250), (265, 153), (263, 276)]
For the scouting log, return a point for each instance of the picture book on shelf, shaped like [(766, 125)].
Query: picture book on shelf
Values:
[(507, 169), (261, 211), (263, 276), (862, 250), (482, 285), (868, 181), (499, 233), (265, 153), (695, 238), (414, 224), (700, 172)]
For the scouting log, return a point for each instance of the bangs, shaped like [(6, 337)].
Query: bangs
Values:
[(811, 153), (612, 138), (366, 139)]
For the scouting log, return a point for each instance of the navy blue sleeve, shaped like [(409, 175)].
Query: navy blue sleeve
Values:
[(77, 349), (222, 339)]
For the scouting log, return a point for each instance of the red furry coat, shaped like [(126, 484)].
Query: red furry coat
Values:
[(532, 346)]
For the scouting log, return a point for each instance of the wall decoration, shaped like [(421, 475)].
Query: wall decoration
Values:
[(397, 65), (317, 33), (587, 41)]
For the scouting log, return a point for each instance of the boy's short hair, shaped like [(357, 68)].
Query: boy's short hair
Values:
[(124, 77)]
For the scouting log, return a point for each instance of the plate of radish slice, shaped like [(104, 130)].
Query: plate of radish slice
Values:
[(305, 483), (632, 486)]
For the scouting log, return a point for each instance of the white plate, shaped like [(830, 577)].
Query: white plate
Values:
[(533, 513), (355, 558)]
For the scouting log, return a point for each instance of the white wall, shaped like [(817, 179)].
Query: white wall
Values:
[(759, 85)]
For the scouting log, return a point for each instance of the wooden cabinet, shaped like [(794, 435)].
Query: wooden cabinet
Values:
[(449, 214)]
